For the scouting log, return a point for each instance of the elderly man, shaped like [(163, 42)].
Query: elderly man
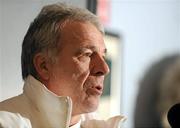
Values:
[(63, 68)]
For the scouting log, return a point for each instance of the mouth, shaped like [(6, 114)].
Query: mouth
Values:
[(95, 90)]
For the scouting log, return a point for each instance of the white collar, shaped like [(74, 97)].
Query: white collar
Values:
[(48, 103)]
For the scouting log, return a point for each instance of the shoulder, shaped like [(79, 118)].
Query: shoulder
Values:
[(14, 104), (14, 120)]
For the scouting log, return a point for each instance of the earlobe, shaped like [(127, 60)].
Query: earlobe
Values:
[(41, 65)]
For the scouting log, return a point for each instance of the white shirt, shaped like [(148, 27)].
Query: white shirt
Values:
[(38, 107)]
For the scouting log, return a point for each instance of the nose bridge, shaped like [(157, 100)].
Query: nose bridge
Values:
[(100, 66)]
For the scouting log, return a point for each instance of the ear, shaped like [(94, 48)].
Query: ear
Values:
[(41, 63)]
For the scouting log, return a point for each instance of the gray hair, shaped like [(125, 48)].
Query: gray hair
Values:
[(45, 31)]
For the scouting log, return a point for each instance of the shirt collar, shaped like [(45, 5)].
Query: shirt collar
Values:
[(48, 103)]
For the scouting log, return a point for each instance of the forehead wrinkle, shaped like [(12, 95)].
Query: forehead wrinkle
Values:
[(83, 35), (87, 40), (87, 43)]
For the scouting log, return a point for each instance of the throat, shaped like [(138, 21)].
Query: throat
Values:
[(75, 120)]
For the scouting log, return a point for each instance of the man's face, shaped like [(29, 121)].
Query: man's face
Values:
[(79, 69)]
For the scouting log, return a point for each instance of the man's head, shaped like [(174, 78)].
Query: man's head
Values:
[(64, 49)]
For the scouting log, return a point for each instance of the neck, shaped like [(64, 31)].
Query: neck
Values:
[(75, 120)]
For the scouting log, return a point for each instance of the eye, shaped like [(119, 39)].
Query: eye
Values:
[(87, 54)]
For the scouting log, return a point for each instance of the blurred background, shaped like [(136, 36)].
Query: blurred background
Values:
[(139, 33)]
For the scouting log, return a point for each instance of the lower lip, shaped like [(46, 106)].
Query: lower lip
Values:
[(94, 91)]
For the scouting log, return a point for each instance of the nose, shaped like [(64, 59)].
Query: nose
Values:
[(99, 66)]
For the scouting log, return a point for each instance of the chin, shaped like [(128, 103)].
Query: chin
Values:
[(91, 107), (88, 105)]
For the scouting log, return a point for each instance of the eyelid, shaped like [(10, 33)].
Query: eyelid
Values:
[(85, 52), (88, 53)]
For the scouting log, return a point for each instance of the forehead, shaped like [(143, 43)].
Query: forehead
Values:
[(79, 34)]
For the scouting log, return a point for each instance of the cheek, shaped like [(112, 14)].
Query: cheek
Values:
[(81, 70)]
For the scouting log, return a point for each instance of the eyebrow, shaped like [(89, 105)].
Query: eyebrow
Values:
[(93, 48)]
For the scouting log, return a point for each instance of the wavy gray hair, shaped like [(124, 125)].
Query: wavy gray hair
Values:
[(45, 31)]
